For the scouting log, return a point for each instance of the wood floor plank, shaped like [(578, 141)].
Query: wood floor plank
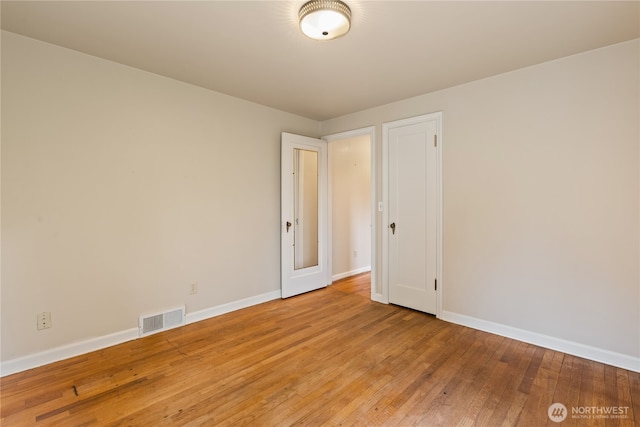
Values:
[(516, 360), (329, 357), (487, 399), (541, 389), (634, 393)]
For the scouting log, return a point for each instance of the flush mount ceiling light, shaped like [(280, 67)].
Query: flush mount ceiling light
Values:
[(325, 19)]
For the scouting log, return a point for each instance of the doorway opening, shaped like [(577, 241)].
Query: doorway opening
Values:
[(351, 225)]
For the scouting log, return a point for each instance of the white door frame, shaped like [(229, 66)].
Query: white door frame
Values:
[(371, 131), (385, 197)]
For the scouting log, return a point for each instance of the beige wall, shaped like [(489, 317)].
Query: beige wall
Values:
[(350, 161), (120, 188), (541, 196)]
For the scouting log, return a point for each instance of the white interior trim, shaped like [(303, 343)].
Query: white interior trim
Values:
[(76, 349), (569, 347), (66, 351), (439, 220), (350, 273), (218, 310), (93, 344)]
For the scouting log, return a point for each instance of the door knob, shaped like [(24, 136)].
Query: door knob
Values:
[(288, 226), (393, 227)]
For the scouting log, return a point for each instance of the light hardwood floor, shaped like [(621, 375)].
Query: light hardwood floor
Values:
[(330, 357)]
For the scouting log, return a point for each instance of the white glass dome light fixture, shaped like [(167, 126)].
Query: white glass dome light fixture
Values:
[(325, 19)]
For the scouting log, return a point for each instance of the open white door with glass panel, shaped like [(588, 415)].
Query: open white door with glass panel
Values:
[(304, 258)]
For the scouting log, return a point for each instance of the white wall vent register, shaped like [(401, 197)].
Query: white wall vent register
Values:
[(153, 323)]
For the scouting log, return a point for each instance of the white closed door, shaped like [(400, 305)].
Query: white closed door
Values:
[(412, 228), (304, 252)]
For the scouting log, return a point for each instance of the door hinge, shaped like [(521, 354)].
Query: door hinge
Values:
[(435, 285), (435, 140)]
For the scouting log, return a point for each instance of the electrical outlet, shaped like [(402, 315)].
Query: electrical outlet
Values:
[(44, 320), (355, 254), (194, 288)]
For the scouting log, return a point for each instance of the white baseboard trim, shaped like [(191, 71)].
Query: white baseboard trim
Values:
[(76, 349), (379, 298), (350, 273), (576, 349), (218, 310), (66, 352)]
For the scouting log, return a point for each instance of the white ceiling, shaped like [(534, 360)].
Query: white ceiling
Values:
[(395, 50)]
